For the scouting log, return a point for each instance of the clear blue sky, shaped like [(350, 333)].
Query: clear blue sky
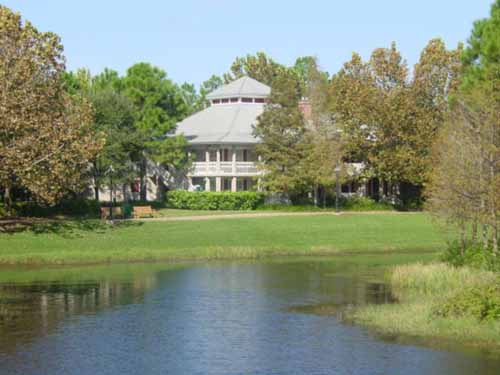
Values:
[(192, 39)]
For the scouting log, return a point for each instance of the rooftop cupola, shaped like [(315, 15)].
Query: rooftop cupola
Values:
[(242, 90)]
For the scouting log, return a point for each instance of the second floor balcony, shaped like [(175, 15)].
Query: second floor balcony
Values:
[(224, 168)]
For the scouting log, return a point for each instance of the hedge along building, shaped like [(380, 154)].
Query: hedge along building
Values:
[(221, 139)]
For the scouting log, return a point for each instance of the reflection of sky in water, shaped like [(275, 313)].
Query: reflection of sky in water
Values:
[(214, 319)]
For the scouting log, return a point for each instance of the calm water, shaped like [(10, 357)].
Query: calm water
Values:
[(224, 318)]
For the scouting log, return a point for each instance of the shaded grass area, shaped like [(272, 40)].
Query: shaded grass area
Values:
[(91, 241), (422, 290)]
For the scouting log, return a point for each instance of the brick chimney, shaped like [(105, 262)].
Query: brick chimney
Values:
[(306, 108)]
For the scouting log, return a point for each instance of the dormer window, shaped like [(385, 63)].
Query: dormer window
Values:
[(234, 100), (259, 100), (224, 101), (247, 100), (215, 101)]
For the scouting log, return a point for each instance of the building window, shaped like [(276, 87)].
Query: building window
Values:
[(245, 155), (199, 155), (247, 100), (259, 100), (215, 101), (226, 184), (225, 155), (244, 184), (213, 183), (213, 155), (234, 100), (224, 101)]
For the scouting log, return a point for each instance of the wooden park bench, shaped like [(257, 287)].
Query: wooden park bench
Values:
[(117, 213), (143, 211)]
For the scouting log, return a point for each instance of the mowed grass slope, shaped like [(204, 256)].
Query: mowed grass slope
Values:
[(95, 242)]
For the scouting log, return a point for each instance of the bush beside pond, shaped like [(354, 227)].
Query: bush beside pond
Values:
[(458, 304)]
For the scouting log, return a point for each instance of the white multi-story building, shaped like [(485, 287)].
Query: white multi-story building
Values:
[(221, 139), (222, 147)]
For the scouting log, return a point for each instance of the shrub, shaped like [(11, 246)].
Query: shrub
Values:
[(244, 200), (474, 255), (359, 203), (482, 304)]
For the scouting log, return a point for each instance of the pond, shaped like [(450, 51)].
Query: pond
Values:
[(265, 317)]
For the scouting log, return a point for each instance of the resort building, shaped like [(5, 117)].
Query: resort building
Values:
[(221, 139), (222, 146)]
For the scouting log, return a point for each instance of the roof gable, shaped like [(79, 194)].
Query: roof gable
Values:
[(222, 124), (242, 87)]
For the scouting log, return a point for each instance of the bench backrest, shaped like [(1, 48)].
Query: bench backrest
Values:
[(143, 209)]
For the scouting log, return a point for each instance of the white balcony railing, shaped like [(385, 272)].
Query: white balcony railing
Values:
[(224, 168)]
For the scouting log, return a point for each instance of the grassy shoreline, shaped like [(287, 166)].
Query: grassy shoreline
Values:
[(423, 290), (92, 242)]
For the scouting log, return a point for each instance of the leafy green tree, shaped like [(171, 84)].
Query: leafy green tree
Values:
[(282, 129), (481, 58), (259, 67), (46, 141), (113, 117), (158, 105), (191, 97), (211, 84), (324, 140), (304, 67)]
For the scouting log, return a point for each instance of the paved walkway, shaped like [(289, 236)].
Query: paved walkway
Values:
[(266, 214)]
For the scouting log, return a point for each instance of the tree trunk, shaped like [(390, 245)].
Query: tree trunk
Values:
[(494, 233), (143, 193), (7, 199), (96, 183), (463, 243)]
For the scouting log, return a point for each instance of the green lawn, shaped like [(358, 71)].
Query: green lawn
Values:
[(91, 241), (174, 212)]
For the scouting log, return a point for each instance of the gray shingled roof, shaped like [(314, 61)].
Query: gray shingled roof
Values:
[(242, 87), (225, 123)]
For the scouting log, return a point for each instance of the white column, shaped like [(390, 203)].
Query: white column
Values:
[(207, 160), (207, 184), (218, 183), (234, 185), (218, 160), (234, 160), (190, 182)]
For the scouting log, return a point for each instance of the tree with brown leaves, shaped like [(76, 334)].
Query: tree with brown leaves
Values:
[(391, 119), (45, 138)]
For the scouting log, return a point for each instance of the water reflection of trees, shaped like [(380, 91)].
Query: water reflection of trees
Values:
[(31, 311)]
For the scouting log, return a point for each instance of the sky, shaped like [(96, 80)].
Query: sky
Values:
[(193, 39)]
